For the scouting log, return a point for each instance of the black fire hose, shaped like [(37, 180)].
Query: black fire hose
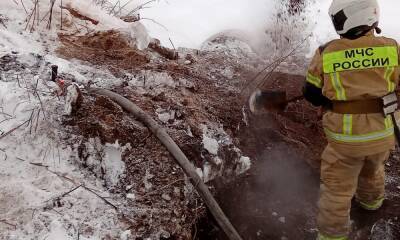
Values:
[(179, 156)]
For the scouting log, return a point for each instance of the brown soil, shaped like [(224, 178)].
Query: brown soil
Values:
[(168, 208), (103, 47)]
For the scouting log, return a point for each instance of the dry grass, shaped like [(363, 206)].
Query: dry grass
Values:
[(126, 8)]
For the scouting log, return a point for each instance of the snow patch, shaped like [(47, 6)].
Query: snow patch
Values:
[(244, 164), (71, 98), (57, 232), (210, 144), (164, 115), (112, 163), (126, 235), (136, 35), (149, 80)]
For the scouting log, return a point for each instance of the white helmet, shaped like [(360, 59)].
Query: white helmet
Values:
[(354, 15)]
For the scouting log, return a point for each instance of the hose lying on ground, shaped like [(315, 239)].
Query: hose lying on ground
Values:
[(179, 156)]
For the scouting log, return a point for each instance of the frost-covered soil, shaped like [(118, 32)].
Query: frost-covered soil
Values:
[(91, 171), (38, 168)]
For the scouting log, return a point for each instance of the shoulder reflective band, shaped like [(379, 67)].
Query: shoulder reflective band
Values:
[(360, 58)]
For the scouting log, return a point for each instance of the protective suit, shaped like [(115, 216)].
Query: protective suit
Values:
[(348, 77)]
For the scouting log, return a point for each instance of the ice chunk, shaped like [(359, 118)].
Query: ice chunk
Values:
[(112, 163), (126, 235), (71, 98), (210, 144), (243, 164)]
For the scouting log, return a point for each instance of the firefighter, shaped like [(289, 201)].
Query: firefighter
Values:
[(354, 78)]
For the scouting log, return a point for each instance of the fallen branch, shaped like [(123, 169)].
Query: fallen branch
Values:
[(70, 191), (14, 129), (102, 198), (77, 14), (273, 66), (179, 156), (9, 224)]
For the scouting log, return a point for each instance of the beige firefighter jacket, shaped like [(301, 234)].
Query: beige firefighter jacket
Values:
[(347, 70)]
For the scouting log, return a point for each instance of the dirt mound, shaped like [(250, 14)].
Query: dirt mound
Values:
[(162, 201), (108, 40), (110, 48)]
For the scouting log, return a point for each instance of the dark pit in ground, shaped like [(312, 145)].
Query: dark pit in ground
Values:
[(277, 198)]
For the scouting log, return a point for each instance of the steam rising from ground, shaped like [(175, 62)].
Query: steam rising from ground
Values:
[(190, 22)]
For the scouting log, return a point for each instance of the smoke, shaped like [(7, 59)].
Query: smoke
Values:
[(190, 22)]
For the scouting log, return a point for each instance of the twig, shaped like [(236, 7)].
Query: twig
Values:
[(172, 43), (154, 21), (22, 2), (9, 224), (51, 13), (61, 28), (14, 129), (105, 200), (31, 122), (112, 9), (37, 119), (29, 18), (140, 7), (123, 6), (39, 165), (274, 65), (70, 191), (40, 100), (65, 194), (78, 15)]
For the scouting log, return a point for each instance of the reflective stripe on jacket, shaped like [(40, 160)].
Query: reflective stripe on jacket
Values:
[(346, 70)]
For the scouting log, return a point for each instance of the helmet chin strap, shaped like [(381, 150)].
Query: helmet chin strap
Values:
[(361, 31)]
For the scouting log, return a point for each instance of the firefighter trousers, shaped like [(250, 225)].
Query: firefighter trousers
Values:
[(342, 178)]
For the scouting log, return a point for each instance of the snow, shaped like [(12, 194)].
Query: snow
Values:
[(57, 232), (126, 235), (44, 191), (131, 196), (244, 164), (149, 80), (71, 98), (165, 115), (113, 165), (208, 173), (210, 144)]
